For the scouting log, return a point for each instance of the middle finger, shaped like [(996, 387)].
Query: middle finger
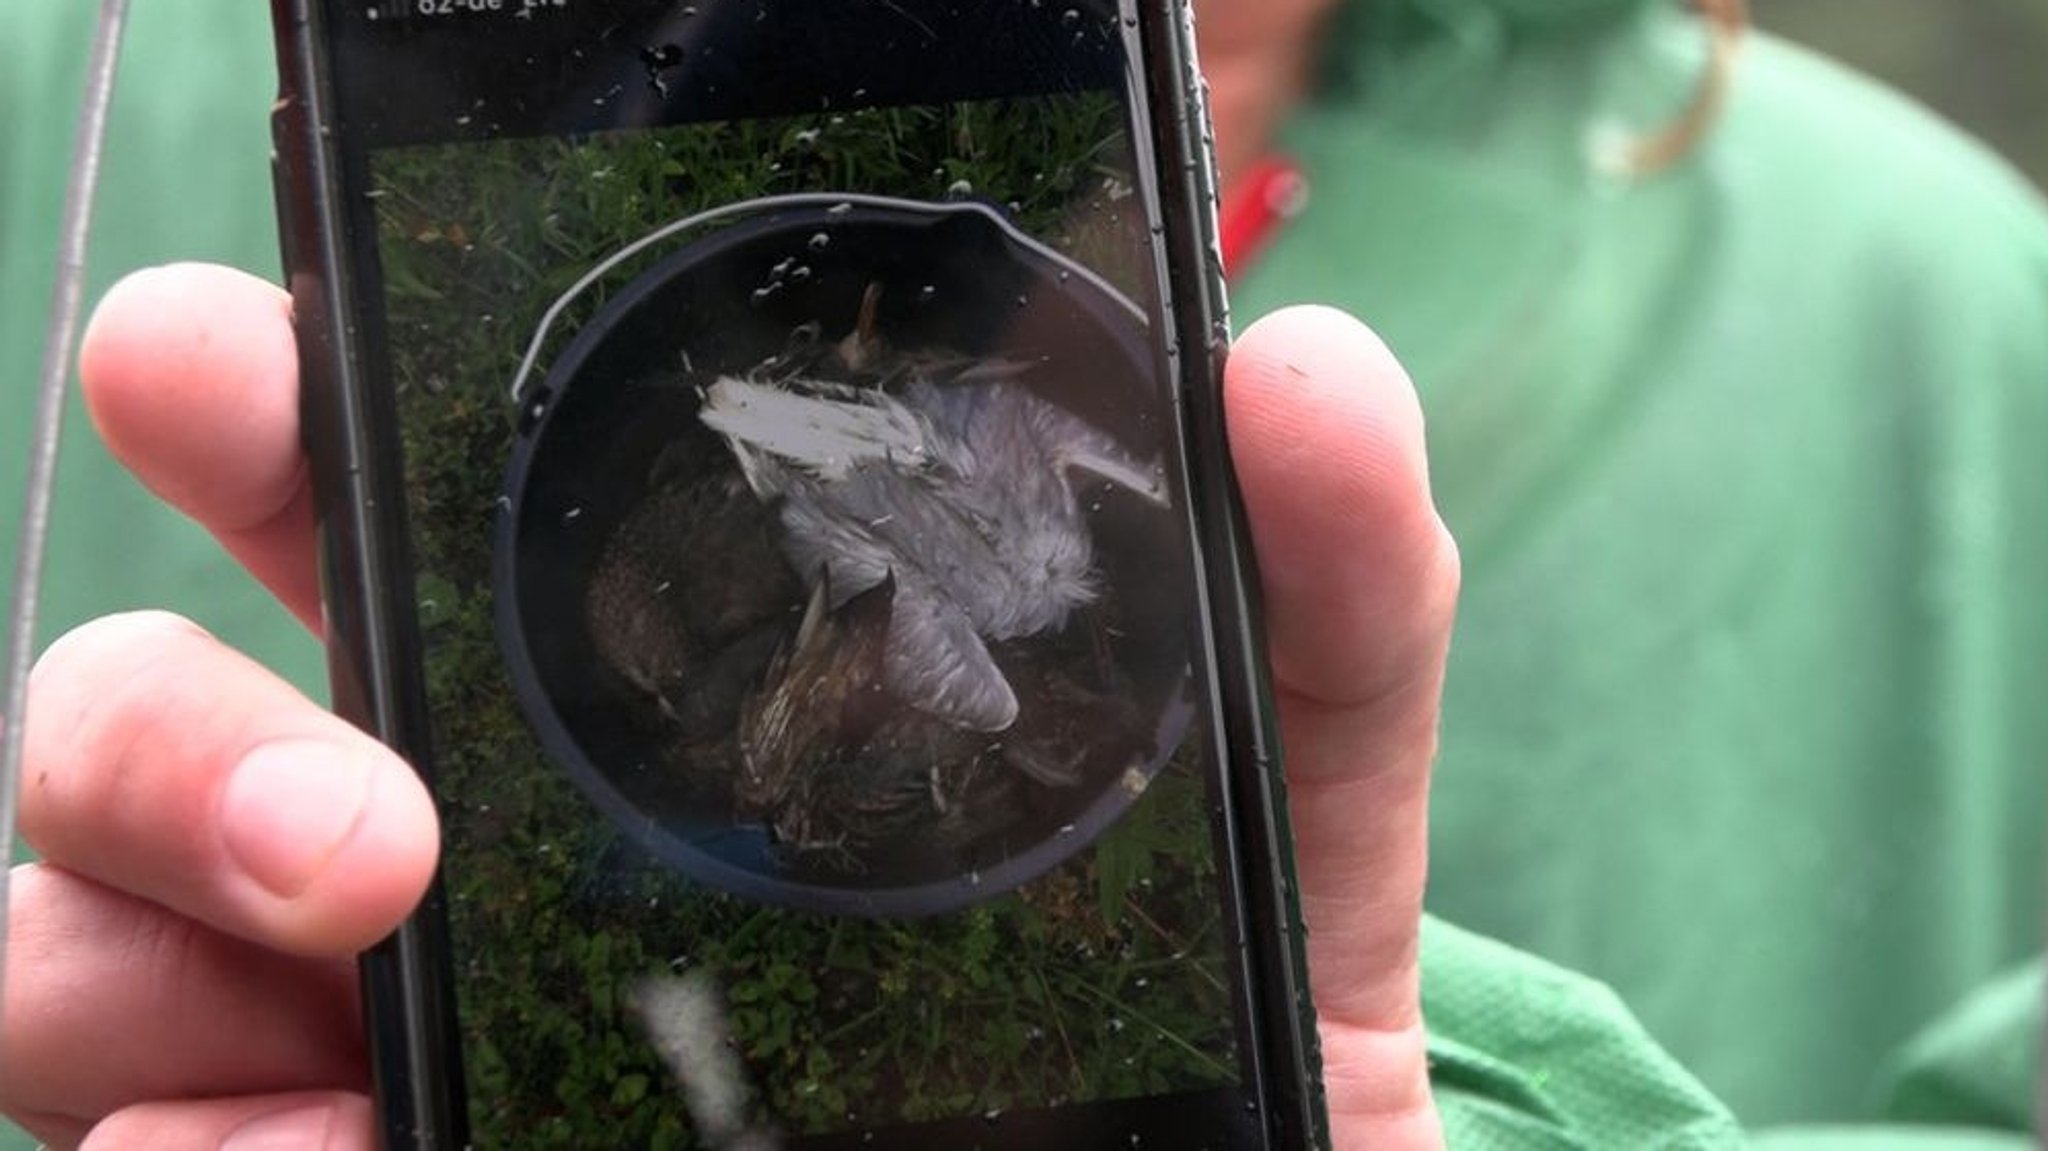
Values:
[(121, 1002)]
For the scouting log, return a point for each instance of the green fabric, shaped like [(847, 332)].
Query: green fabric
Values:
[(1528, 1057), (1892, 1139), (1978, 1064), (1744, 465), (1743, 713), (186, 178)]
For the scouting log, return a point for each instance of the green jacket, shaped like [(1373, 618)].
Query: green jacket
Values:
[(1741, 461), (1743, 712)]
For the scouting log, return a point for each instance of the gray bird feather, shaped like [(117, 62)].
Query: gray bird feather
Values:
[(960, 491)]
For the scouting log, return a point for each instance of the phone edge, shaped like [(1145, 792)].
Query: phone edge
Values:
[(1288, 1058), (408, 1017)]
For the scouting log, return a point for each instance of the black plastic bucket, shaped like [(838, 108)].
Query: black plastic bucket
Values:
[(954, 276)]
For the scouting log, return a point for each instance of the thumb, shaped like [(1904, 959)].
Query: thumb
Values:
[(1360, 581)]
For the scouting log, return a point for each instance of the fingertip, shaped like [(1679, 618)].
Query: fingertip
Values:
[(1309, 379), (1328, 445), (1302, 327), (147, 312), (94, 639), (165, 764), (1316, 341), (183, 360), (335, 842), (380, 874), (1326, 433)]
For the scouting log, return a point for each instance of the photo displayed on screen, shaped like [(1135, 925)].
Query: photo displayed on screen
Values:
[(807, 618)]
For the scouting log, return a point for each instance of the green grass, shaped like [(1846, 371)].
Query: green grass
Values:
[(1105, 978)]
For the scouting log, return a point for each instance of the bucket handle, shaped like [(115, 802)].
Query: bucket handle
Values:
[(832, 202)]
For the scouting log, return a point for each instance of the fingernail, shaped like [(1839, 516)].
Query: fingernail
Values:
[(293, 1130), (289, 806)]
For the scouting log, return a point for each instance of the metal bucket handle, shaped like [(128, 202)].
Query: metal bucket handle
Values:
[(831, 202)]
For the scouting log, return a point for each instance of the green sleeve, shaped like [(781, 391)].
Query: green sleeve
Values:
[(1980, 1064), (1526, 1056)]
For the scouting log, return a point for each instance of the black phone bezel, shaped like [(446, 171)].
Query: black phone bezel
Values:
[(371, 631)]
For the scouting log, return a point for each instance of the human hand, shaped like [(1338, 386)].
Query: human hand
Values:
[(180, 968), (1360, 579)]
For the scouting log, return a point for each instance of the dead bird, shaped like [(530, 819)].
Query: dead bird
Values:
[(953, 479), (688, 575), (833, 763), (830, 761), (1069, 723), (821, 690)]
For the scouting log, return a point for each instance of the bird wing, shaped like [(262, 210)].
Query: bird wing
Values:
[(936, 663), (823, 434), (1077, 445)]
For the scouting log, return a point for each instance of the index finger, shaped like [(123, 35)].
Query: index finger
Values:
[(191, 376)]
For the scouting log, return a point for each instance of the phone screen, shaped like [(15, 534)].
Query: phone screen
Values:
[(806, 601)]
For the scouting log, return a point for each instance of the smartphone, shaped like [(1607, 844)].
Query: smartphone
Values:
[(772, 483)]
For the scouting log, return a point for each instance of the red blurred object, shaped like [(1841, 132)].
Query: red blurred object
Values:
[(1255, 208)]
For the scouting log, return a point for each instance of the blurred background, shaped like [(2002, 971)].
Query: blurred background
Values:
[(1977, 62)]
